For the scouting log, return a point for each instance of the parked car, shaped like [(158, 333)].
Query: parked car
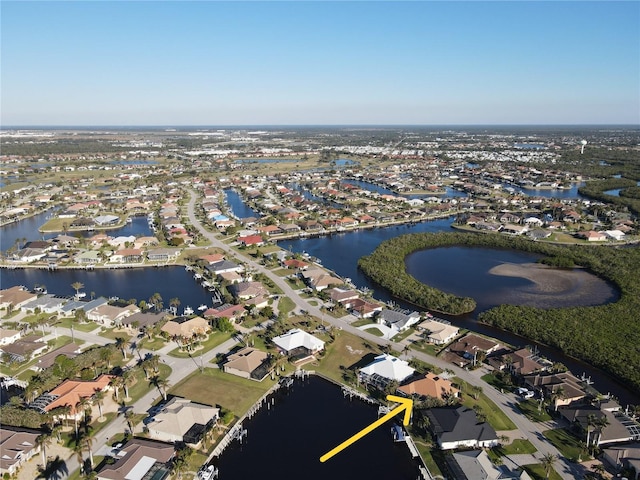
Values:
[(525, 393)]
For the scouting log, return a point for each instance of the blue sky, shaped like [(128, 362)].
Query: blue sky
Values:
[(286, 63)]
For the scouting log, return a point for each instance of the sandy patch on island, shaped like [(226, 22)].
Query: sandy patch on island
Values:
[(553, 287)]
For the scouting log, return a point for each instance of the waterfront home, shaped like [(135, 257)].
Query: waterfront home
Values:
[(520, 362), (430, 385), (342, 295), (211, 258), (624, 456), (45, 303), (70, 392), (127, 255), (70, 307), (15, 297), (224, 266), (17, 445), (298, 342), (181, 420), (28, 255), (141, 320), (229, 311), (139, 458), (363, 308), (438, 333), (476, 464), (295, 264), (163, 254), (106, 220), (319, 279), (23, 349), (88, 257), (110, 315), (248, 363), (563, 388), (606, 422), (186, 327), (459, 427), (246, 290), (471, 344), (397, 321), (383, 370)]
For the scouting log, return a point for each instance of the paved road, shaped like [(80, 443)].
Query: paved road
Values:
[(181, 368), (506, 402)]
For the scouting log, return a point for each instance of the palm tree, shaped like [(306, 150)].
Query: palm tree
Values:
[(548, 459), (161, 384), (98, 397), (121, 344), (87, 443), (174, 303), (127, 381), (601, 424), (116, 383), (128, 416), (77, 449), (599, 469), (77, 286), (42, 441), (591, 422)]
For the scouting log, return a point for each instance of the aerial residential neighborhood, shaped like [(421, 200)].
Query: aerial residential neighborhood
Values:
[(161, 384)]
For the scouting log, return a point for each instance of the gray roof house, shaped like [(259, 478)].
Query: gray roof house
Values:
[(398, 320), (459, 427), (476, 465)]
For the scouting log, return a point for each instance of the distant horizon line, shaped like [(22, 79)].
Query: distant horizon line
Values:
[(325, 125)]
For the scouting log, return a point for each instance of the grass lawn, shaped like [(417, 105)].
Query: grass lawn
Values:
[(214, 387), (428, 348), (156, 343), (142, 385), (536, 472), (115, 333), (565, 442), (425, 453), (401, 336), (285, 305), (495, 417), (15, 368), (282, 272), (215, 339), (518, 446), (82, 327), (346, 351), (362, 321), (530, 409), (497, 383)]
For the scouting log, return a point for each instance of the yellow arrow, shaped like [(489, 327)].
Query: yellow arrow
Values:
[(406, 404)]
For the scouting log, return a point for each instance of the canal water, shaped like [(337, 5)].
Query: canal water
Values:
[(28, 228), (237, 205), (287, 440), (124, 283)]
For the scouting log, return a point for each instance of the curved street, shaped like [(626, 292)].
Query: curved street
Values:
[(506, 402)]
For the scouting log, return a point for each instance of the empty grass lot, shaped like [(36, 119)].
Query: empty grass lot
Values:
[(215, 339), (346, 351), (536, 471), (214, 387)]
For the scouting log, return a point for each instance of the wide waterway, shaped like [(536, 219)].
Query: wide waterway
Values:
[(287, 440), (338, 252)]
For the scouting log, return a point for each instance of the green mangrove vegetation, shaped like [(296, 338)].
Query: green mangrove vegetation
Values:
[(606, 336)]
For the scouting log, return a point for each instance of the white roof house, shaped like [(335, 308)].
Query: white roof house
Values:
[(297, 338), (385, 368), (182, 420)]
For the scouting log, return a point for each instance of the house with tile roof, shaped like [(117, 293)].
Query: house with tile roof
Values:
[(69, 393), (438, 333), (430, 385)]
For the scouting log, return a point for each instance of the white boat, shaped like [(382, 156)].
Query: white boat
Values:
[(188, 311), (81, 295), (202, 307), (207, 473)]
